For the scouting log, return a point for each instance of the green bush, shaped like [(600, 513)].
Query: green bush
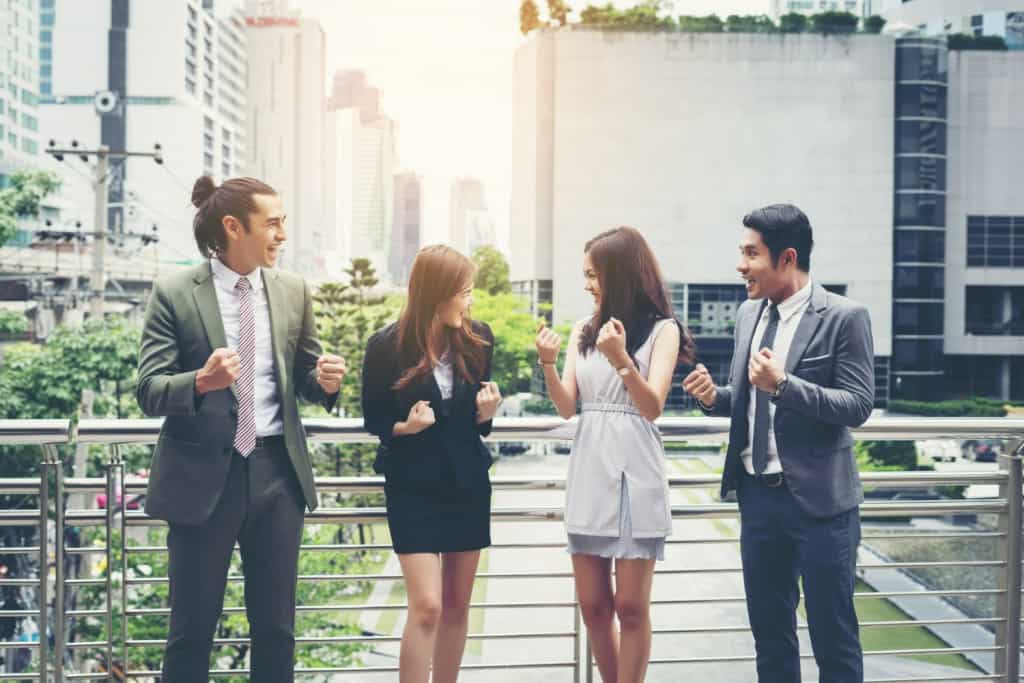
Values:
[(972, 407), (834, 22), (874, 24), (709, 24), (964, 41), (749, 23), (794, 22)]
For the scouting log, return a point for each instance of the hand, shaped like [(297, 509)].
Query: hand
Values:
[(421, 416), (221, 369), (487, 401), (548, 343), (701, 386), (330, 371), (765, 371), (611, 341)]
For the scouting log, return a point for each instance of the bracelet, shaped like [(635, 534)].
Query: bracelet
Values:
[(543, 363)]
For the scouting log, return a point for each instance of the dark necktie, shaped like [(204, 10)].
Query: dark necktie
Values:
[(762, 417), (245, 384)]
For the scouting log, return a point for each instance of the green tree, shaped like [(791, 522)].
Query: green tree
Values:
[(514, 330), (834, 22), (492, 271), (886, 455), (874, 24), (794, 22), (12, 324), (749, 23), (21, 199), (529, 16), (964, 41), (711, 23), (649, 14), (558, 11)]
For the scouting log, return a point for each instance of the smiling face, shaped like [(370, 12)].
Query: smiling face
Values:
[(590, 281), (260, 245), (755, 266), (455, 310)]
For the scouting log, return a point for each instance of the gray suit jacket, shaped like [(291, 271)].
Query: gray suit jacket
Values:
[(831, 388), (193, 454)]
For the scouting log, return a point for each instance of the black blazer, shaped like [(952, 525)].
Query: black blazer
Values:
[(449, 455)]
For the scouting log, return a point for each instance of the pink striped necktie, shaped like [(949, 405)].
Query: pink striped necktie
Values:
[(245, 384)]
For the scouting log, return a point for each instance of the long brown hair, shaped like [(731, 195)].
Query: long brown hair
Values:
[(632, 290), (438, 273)]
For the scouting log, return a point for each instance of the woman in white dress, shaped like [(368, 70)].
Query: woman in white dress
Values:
[(619, 363)]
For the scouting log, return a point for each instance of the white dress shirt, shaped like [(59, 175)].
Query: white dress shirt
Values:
[(790, 312), (269, 418), (445, 376)]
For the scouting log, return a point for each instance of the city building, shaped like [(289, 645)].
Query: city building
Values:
[(131, 75), (19, 86), (406, 226), (470, 223), (1004, 18), (862, 8), (928, 236), (361, 141), (286, 124)]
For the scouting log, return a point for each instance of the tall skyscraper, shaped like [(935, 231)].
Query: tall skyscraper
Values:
[(129, 74), (470, 223), (19, 86), (286, 55), (406, 226), (361, 141)]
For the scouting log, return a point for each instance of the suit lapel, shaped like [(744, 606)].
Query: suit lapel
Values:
[(209, 311), (278, 321), (809, 323)]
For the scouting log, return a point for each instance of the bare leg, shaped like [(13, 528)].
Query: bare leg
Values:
[(457, 573), (633, 579), (422, 572), (597, 603)]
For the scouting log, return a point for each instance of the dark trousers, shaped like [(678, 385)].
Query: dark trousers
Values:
[(780, 545), (262, 508)]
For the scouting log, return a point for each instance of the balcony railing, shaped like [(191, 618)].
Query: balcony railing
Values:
[(54, 659)]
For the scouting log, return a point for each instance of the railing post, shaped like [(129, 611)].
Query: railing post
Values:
[(43, 598), (124, 571), (111, 486), (577, 625), (1013, 562), (58, 564), (588, 662)]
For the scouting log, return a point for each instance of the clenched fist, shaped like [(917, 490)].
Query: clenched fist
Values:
[(548, 343), (700, 385), (330, 371), (220, 371), (487, 401), (611, 341), (421, 416)]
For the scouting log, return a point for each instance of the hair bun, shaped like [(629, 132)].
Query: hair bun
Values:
[(202, 190)]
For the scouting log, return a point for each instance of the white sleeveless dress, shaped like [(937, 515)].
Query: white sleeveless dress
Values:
[(617, 496)]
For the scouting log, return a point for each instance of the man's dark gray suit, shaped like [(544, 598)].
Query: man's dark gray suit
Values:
[(809, 526), (209, 494)]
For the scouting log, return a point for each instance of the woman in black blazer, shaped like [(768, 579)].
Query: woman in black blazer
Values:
[(427, 395)]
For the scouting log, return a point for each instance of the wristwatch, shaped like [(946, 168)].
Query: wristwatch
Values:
[(624, 370), (780, 387)]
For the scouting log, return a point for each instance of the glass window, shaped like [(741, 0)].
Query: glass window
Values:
[(917, 318), (29, 146), (920, 173), (45, 71), (921, 100), (919, 246), (918, 282), (917, 354), (921, 64), (920, 209), (46, 19), (46, 36), (46, 54)]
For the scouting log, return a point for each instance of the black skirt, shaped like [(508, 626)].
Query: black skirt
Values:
[(438, 522)]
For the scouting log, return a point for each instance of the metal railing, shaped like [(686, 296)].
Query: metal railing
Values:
[(52, 487)]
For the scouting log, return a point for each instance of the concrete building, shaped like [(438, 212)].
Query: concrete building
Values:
[(722, 123), (1003, 18), (175, 74), (361, 142), (470, 223), (406, 226), (286, 126), (19, 86), (862, 8)]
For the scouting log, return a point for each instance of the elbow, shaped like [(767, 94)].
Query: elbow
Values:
[(566, 414), (864, 409)]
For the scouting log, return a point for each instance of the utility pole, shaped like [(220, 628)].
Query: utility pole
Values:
[(99, 243), (101, 179)]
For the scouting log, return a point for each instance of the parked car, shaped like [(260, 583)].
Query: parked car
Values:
[(981, 450), (513, 448)]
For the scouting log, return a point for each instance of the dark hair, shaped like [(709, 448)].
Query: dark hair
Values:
[(438, 273), (783, 226), (232, 198), (632, 290)]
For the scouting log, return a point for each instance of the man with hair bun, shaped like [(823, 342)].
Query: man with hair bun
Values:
[(227, 349)]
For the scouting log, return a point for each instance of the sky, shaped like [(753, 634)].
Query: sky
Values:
[(445, 69)]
